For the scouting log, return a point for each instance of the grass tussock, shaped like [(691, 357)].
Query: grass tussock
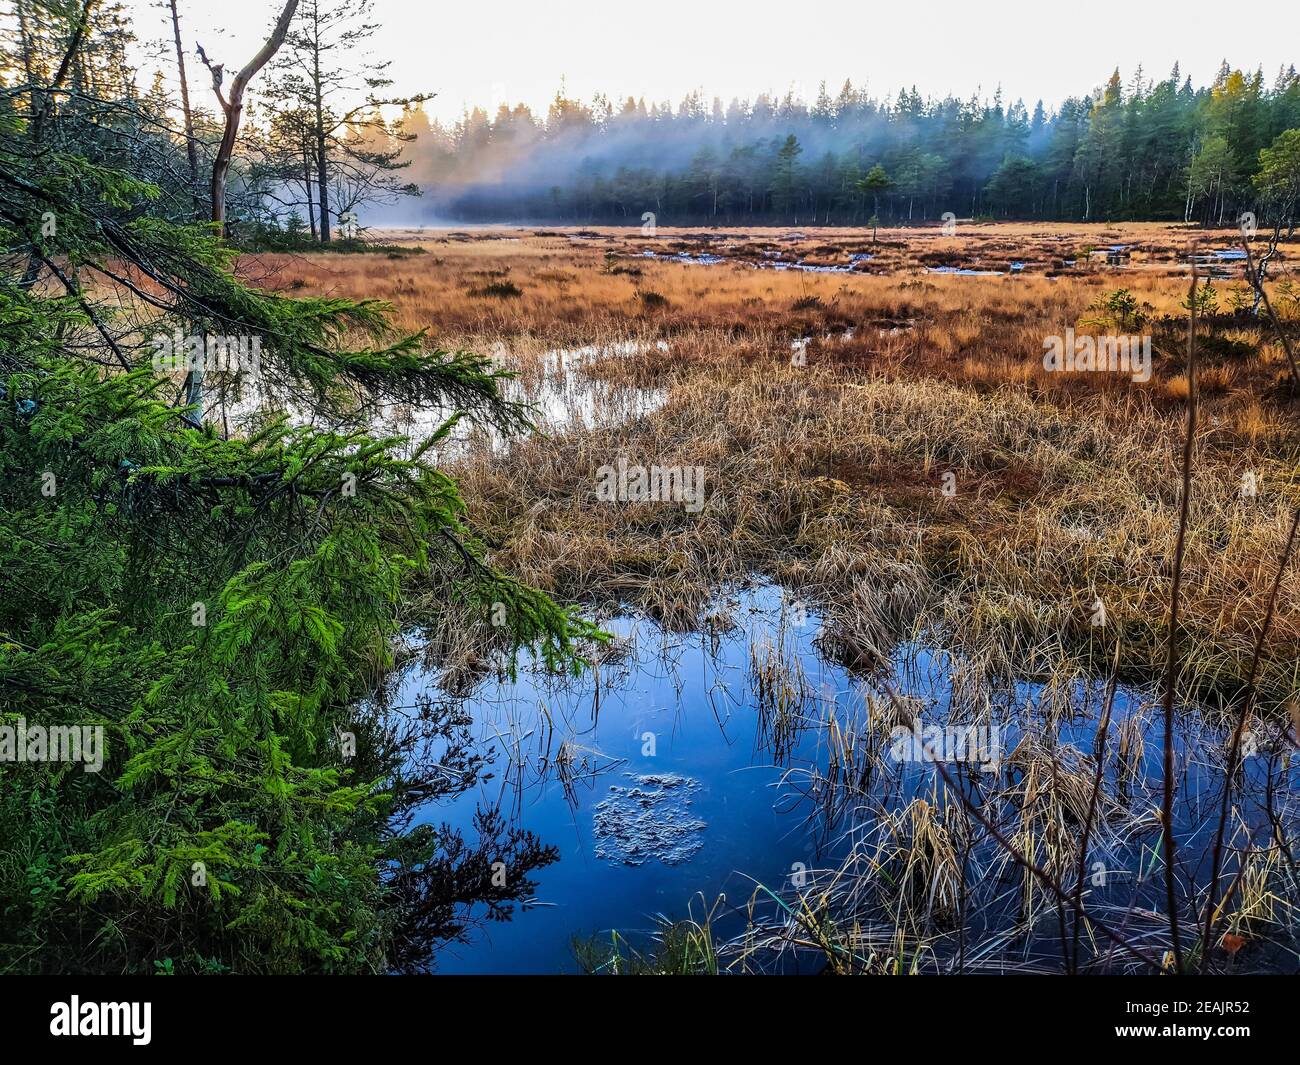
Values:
[(888, 445)]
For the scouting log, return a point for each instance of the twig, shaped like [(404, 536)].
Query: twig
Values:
[(1099, 756), (1257, 283), (1171, 660), (1234, 750)]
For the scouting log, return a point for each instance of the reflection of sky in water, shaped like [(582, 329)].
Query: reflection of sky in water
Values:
[(773, 262), (563, 394), (696, 694), (554, 383)]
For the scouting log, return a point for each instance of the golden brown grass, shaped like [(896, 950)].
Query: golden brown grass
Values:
[(829, 476)]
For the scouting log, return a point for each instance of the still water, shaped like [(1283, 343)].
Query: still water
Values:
[(680, 790)]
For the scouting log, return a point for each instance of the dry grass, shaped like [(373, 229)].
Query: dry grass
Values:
[(921, 476), (830, 476)]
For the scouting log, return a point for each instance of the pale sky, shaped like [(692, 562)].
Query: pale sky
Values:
[(520, 50)]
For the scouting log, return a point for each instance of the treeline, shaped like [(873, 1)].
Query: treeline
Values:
[(1142, 150)]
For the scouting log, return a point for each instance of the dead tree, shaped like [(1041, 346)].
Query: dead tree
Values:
[(233, 106)]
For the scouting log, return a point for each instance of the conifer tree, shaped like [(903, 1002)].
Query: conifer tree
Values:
[(221, 602)]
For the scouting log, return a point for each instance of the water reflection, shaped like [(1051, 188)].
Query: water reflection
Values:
[(699, 764), (555, 384)]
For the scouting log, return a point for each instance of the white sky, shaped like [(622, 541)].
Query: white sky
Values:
[(512, 50)]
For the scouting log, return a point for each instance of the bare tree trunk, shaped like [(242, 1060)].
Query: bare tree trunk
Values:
[(1264, 260), (234, 110), (191, 148), (1256, 279), (322, 157), (306, 184), (322, 188), (44, 106), (234, 107), (25, 43)]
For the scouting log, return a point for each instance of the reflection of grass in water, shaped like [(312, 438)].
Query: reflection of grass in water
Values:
[(924, 888), (676, 948), (575, 765), (781, 694), (924, 885), (919, 858)]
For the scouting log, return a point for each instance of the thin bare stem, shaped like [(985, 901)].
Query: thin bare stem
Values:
[(1234, 749), (1257, 283), (1099, 757), (1171, 660)]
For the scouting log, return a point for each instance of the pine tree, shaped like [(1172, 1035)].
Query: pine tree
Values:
[(221, 605)]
